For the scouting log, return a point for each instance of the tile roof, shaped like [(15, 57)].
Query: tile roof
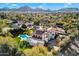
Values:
[(39, 32)]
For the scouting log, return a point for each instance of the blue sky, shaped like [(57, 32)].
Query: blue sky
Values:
[(52, 6)]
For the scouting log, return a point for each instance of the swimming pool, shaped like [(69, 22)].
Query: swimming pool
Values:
[(24, 36)]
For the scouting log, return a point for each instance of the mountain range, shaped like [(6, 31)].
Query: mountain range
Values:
[(27, 9)]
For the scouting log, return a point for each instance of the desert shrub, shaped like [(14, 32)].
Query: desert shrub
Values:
[(55, 50), (37, 51)]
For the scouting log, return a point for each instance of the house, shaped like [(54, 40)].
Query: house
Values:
[(60, 25), (34, 42), (42, 36), (15, 23), (39, 35), (38, 27), (12, 21), (59, 31), (29, 24)]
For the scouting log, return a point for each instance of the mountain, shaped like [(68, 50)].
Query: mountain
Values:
[(24, 8), (27, 9), (4, 9), (67, 10)]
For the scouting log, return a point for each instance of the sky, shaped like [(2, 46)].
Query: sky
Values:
[(52, 6)]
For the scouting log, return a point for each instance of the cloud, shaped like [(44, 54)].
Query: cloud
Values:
[(42, 6), (67, 5), (13, 4)]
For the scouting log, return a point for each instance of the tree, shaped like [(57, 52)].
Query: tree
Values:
[(28, 31), (37, 51), (7, 50), (24, 26), (24, 44), (36, 22)]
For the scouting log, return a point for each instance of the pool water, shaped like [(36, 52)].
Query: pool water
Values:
[(24, 36)]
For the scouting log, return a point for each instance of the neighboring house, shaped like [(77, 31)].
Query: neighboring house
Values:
[(15, 24), (38, 27), (12, 21), (60, 25), (29, 25)]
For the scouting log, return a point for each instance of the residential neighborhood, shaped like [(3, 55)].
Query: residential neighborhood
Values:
[(25, 31)]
